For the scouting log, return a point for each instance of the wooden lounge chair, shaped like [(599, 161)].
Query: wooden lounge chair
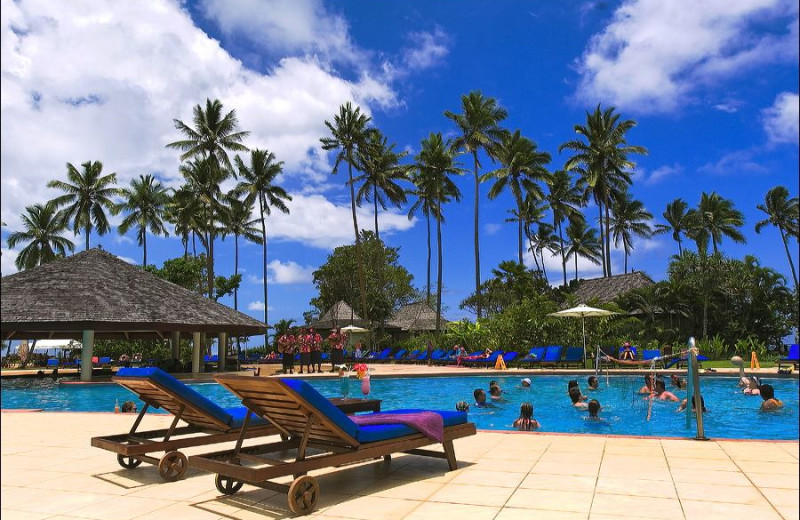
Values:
[(206, 422), (318, 436)]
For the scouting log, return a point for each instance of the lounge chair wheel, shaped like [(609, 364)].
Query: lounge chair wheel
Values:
[(128, 462), (303, 495), (387, 458), (227, 485), (172, 466)]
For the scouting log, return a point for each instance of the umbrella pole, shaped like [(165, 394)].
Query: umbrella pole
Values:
[(583, 321)]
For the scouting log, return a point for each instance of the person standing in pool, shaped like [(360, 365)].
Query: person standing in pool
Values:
[(525, 421), (480, 399), (593, 383), (660, 392), (575, 396), (594, 409), (770, 401), (677, 382), (647, 389)]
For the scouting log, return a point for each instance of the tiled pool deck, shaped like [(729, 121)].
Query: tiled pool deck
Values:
[(49, 471)]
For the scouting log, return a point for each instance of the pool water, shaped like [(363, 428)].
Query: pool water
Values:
[(730, 413)]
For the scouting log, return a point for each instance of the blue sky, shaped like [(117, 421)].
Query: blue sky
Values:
[(713, 87)]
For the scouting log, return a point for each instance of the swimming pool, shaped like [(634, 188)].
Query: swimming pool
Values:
[(731, 414)]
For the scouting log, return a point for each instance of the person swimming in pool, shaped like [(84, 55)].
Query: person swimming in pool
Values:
[(525, 421), (462, 406), (770, 401), (593, 383), (660, 392), (495, 393), (750, 385), (480, 399), (594, 409), (575, 397), (574, 384), (682, 406), (525, 383), (647, 389), (677, 382)]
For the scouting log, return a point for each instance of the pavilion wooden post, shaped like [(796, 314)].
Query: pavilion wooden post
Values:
[(196, 342), (222, 349), (86, 355), (176, 344)]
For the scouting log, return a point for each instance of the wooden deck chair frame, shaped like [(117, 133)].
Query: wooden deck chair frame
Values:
[(132, 448), (316, 441)]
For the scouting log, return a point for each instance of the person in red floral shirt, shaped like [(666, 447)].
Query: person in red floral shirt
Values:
[(286, 347), (316, 350), (337, 341), (304, 344)]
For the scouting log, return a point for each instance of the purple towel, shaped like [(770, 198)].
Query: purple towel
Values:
[(429, 423)]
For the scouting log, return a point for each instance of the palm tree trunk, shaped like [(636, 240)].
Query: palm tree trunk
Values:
[(88, 230), (563, 257), (361, 281), (608, 238), (680, 249), (439, 271), (144, 248), (375, 202), (428, 285), (789, 256), (626, 262), (261, 204), (235, 270), (576, 267), (544, 269), (477, 245), (530, 245), (602, 237), (519, 232)]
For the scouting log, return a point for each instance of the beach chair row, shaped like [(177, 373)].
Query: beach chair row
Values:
[(553, 356)]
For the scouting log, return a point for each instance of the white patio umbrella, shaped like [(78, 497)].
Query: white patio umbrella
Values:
[(583, 311), (353, 328)]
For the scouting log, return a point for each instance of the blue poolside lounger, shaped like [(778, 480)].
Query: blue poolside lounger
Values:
[(307, 419), (792, 358), (574, 356)]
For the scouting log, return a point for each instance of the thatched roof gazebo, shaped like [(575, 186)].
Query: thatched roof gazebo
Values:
[(610, 288), (416, 317), (94, 294), (339, 315)]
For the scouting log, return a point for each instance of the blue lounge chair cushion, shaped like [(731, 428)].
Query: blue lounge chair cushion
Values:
[(793, 354), (647, 355), (552, 353), (382, 432), (574, 354), (52, 362), (322, 404), (238, 413), (178, 388)]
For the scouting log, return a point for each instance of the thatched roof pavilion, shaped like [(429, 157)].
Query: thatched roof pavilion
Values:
[(610, 288), (339, 315), (416, 317), (96, 292)]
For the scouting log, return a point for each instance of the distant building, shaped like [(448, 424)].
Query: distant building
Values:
[(339, 315), (415, 318), (608, 289)]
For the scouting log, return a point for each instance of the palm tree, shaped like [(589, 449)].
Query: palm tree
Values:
[(237, 222), (479, 126), (531, 212), (564, 198), (145, 201), (782, 212), (583, 242), (43, 225), (435, 163), (380, 164), (602, 162), (717, 217), (182, 211), (629, 217), (87, 198), (258, 183), (522, 165), (210, 140), (349, 134), (543, 240), (424, 193), (677, 221)]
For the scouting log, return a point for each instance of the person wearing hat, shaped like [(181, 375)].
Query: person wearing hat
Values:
[(625, 353), (526, 383)]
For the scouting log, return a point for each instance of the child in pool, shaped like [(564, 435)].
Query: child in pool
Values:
[(525, 421), (677, 382), (494, 393), (575, 396), (462, 406), (494, 383), (594, 409), (593, 383), (770, 401)]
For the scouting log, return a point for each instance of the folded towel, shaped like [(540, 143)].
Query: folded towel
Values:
[(430, 424)]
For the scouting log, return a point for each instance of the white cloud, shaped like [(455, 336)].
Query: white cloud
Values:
[(129, 260), (737, 162), (660, 173), (782, 119), (289, 26), (428, 49), (318, 222), (257, 305), (104, 80), (7, 261), (492, 229), (655, 55), (729, 107), (289, 272)]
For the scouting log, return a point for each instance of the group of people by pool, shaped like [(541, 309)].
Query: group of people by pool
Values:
[(654, 388), (310, 346)]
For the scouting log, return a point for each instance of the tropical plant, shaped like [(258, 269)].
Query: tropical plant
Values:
[(628, 218), (86, 198), (531, 212), (382, 169), (237, 222), (583, 242), (677, 221), (714, 218), (424, 193), (564, 199), (521, 166), (436, 165), (349, 134), (544, 239), (602, 162), (145, 203), (479, 127), (782, 212), (43, 225), (208, 143), (258, 183), (183, 211)]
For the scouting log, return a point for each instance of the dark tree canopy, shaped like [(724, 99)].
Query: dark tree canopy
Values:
[(388, 284)]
